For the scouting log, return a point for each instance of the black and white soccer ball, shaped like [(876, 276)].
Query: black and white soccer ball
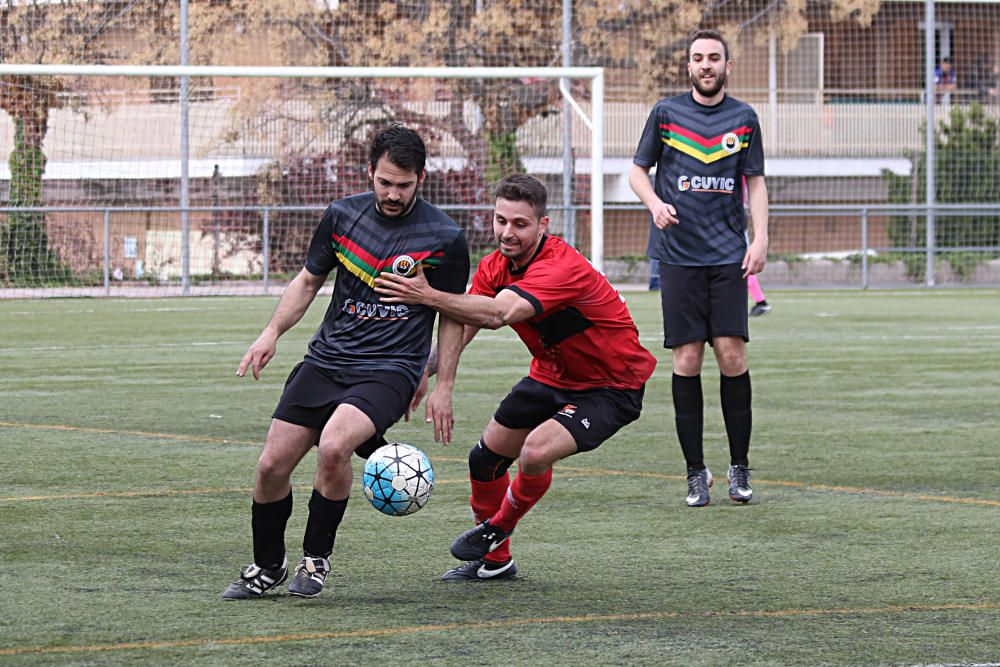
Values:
[(398, 479)]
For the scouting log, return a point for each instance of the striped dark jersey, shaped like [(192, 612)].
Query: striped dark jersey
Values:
[(582, 335), (359, 333), (701, 154)]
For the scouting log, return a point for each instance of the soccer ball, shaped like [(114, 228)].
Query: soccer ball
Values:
[(398, 479)]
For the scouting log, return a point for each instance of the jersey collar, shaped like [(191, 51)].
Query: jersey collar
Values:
[(517, 272)]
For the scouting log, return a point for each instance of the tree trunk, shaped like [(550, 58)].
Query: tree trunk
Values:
[(27, 258)]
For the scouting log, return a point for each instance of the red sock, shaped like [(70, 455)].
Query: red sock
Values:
[(485, 500), (524, 492)]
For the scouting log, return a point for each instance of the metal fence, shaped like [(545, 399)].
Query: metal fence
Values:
[(123, 251)]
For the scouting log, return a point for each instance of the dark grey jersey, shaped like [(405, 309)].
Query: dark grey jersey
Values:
[(359, 333), (701, 155)]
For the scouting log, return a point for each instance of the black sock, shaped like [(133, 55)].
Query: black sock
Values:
[(689, 407), (735, 394), (325, 516), (268, 524)]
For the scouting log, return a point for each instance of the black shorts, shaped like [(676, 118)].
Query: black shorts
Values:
[(703, 302), (590, 415), (312, 394)]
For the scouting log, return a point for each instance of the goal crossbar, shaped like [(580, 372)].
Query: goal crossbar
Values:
[(595, 123)]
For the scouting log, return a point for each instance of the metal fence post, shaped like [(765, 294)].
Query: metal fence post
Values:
[(107, 252), (266, 246), (864, 248)]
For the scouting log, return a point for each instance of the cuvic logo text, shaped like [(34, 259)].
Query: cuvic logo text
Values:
[(706, 184), (376, 311)]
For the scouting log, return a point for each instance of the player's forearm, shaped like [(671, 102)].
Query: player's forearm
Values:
[(758, 210), (638, 180), (471, 309), (449, 348), (294, 303)]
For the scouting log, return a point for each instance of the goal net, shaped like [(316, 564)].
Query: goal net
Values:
[(146, 180)]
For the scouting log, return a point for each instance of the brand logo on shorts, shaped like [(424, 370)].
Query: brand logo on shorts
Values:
[(730, 143), (568, 410), (585, 422), (404, 265), (376, 311)]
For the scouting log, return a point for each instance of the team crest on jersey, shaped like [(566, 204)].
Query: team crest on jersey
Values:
[(404, 265), (730, 143)]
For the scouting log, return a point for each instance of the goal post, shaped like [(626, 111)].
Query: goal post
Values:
[(90, 139)]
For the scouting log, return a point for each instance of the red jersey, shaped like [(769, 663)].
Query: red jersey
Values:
[(582, 335)]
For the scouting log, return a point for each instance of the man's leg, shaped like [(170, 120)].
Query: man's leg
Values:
[(545, 445), (489, 480), (689, 418), (272, 506), (347, 429), (735, 395)]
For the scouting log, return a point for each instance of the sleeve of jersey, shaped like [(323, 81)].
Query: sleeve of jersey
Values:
[(483, 281), (453, 273), (548, 285), (322, 258), (754, 161), (650, 145)]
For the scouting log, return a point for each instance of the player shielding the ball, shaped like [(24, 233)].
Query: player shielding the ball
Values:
[(587, 375), (363, 363)]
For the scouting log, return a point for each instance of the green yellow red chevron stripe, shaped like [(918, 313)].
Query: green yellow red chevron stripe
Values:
[(704, 149), (366, 266)]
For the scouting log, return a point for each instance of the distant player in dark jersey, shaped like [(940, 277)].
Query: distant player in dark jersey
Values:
[(587, 376), (701, 144), (364, 362)]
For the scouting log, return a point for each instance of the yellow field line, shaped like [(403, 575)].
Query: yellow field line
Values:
[(489, 625), (560, 468), (141, 434)]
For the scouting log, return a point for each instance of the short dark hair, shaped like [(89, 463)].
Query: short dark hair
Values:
[(401, 146), (521, 187), (709, 34)]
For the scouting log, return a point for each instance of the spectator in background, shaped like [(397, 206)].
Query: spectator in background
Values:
[(989, 84), (760, 304), (945, 79)]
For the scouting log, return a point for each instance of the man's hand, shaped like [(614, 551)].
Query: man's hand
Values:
[(440, 412), (400, 289), (259, 354), (664, 215), (755, 259)]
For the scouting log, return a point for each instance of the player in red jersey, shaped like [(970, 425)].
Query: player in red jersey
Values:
[(587, 376)]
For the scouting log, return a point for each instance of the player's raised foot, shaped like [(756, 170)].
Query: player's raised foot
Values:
[(481, 570), (699, 482), (255, 581), (738, 478), (309, 577), (475, 543), (762, 308)]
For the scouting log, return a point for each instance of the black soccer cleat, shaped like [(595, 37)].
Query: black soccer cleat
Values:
[(738, 479), (255, 581), (761, 308), (699, 482), (309, 577), (475, 543), (481, 570)]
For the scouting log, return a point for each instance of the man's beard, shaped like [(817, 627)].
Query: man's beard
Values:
[(720, 83), (394, 212)]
